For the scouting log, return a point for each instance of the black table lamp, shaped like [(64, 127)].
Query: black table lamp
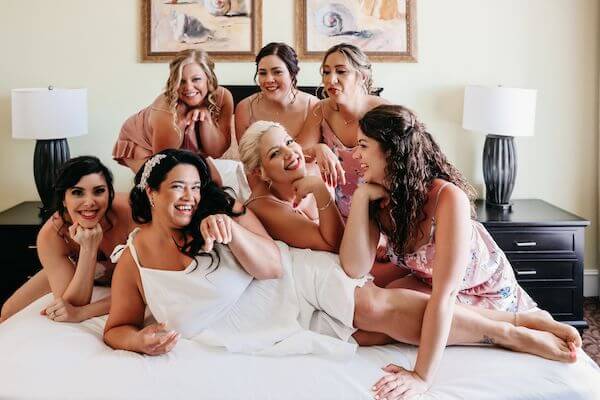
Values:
[(50, 116), (501, 113)]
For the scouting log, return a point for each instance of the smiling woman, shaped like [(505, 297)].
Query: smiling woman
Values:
[(89, 220), (197, 249), (193, 113), (279, 99)]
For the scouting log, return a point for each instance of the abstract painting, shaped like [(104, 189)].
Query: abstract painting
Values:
[(384, 29), (226, 29)]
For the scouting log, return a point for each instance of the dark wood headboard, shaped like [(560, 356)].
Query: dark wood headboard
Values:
[(240, 92)]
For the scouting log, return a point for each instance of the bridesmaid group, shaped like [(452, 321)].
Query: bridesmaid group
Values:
[(350, 174)]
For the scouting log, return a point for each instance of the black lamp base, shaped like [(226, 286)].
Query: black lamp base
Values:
[(506, 207), (499, 170), (48, 156)]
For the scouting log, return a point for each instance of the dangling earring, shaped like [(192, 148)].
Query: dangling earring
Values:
[(269, 184), (151, 202)]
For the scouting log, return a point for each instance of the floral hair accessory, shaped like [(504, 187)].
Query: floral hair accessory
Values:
[(151, 163)]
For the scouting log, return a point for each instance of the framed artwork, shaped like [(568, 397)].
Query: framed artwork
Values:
[(384, 29), (226, 29)]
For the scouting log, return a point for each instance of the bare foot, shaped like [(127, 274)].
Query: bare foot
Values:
[(542, 321), (543, 344)]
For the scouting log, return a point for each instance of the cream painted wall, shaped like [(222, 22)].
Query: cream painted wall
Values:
[(548, 45)]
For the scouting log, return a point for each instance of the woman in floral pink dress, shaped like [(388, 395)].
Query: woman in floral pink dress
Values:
[(423, 204)]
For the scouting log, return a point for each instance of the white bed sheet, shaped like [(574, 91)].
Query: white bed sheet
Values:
[(41, 359)]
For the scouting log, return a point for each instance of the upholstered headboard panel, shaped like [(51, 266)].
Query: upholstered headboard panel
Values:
[(240, 92)]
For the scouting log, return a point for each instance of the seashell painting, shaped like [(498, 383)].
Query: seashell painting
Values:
[(226, 29), (384, 29), (335, 19)]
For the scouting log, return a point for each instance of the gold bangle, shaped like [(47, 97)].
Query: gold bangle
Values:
[(326, 205)]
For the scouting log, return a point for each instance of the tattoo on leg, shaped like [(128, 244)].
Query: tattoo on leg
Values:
[(487, 340)]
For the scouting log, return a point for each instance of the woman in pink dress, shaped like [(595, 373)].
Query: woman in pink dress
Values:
[(330, 131), (279, 99), (423, 204), (298, 209), (73, 245), (193, 113)]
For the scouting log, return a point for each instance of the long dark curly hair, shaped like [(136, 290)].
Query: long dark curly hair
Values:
[(213, 199), (413, 161)]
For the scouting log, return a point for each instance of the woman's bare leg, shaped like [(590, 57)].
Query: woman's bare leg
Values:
[(399, 313), (539, 319), (31, 290)]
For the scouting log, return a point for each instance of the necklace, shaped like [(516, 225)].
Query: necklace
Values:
[(346, 121), (272, 110)]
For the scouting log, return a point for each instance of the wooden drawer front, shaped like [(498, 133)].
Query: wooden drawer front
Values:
[(558, 301), (13, 277), (544, 270), (558, 241), (19, 244)]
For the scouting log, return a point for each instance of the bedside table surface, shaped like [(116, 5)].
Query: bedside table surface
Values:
[(25, 213), (530, 212)]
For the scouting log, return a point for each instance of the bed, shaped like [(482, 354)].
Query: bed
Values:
[(42, 359)]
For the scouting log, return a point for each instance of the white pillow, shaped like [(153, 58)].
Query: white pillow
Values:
[(232, 173)]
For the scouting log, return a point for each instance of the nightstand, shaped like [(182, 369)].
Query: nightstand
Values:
[(545, 247), (19, 227)]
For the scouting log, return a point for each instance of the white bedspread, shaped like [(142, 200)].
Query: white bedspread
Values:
[(41, 359)]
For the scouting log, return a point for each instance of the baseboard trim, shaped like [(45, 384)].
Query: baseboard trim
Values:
[(590, 282)]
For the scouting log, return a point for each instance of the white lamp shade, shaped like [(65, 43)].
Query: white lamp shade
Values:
[(49, 114), (499, 110)]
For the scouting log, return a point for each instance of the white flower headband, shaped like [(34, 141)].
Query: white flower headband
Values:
[(151, 163)]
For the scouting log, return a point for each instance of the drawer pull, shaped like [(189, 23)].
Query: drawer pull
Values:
[(32, 247), (521, 272), (525, 244)]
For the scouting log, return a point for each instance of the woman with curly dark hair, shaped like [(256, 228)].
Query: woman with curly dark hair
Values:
[(424, 206), (196, 253), (89, 220)]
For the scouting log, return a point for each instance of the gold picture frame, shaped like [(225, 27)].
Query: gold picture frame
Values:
[(232, 34), (386, 30)]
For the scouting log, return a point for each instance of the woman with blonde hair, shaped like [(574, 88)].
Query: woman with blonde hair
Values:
[(193, 113), (330, 131), (298, 209)]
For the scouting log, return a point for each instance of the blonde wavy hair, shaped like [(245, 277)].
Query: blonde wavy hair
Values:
[(248, 146), (357, 60), (182, 59)]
